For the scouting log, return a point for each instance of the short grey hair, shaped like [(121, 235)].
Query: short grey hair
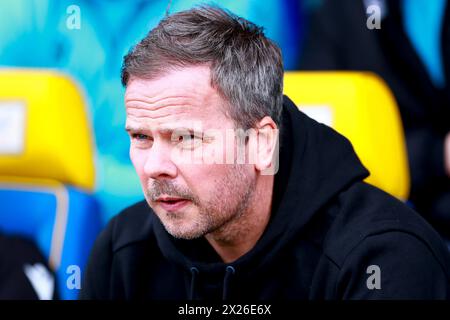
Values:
[(246, 67)]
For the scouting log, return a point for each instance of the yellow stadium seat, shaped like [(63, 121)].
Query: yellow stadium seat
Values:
[(360, 106), (44, 131)]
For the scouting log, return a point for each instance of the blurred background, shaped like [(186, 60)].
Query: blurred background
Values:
[(64, 172)]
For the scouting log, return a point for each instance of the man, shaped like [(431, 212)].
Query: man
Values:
[(212, 228)]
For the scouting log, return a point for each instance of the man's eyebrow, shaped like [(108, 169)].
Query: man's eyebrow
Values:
[(163, 130), (130, 128)]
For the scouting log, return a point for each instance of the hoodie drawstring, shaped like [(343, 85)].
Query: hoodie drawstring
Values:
[(194, 273), (229, 271)]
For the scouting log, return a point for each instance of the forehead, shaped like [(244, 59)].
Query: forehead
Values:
[(178, 96), (194, 79)]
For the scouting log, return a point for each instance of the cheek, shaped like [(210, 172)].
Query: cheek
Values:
[(138, 159), (203, 180)]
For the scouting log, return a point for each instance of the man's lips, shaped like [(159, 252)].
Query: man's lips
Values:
[(172, 203)]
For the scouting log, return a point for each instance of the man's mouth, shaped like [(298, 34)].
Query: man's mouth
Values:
[(171, 203)]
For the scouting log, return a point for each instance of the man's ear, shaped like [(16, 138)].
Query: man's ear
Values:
[(267, 146)]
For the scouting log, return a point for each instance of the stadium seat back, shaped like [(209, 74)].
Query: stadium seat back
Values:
[(360, 106)]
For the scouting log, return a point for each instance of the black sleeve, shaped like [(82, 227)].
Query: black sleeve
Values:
[(394, 265), (96, 278), (24, 271)]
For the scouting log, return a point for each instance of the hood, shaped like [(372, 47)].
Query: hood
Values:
[(316, 163)]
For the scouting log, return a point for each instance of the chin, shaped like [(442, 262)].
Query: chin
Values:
[(179, 231), (185, 235)]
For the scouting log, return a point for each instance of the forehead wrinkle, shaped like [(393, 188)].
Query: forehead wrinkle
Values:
[(192, 111), (146, 101), (154, 92), (165, 107), (172, 118), (159, 113)]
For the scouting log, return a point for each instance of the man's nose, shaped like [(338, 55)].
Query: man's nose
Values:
[(159, 163)]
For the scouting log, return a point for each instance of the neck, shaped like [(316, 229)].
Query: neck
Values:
[(241, 234)]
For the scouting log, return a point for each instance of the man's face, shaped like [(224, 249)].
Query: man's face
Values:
[(177, 124)]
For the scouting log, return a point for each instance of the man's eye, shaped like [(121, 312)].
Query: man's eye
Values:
[(141, 140), (186, 138), (139, 136), (189, 140)]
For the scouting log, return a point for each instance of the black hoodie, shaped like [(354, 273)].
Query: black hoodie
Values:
[(330, 236)]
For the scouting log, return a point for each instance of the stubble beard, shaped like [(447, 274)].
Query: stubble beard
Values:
[(219, 216)]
